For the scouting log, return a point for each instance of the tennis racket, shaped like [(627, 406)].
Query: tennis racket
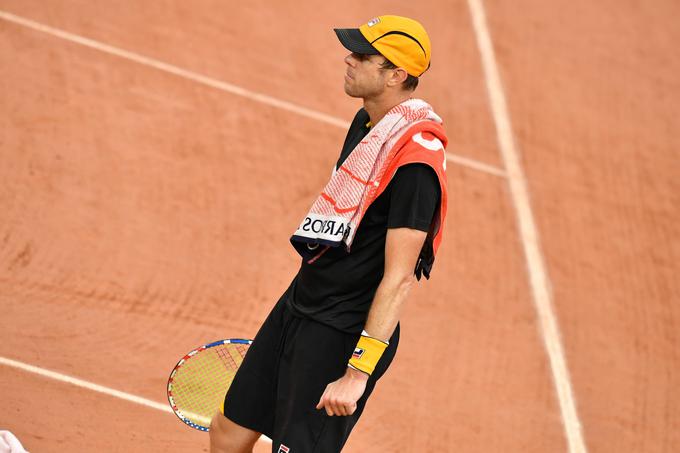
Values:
[(199, 381)]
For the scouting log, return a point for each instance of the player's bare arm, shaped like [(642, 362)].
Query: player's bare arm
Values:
[(402, 248)]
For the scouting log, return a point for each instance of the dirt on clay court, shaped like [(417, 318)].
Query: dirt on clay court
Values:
[(143, 213)]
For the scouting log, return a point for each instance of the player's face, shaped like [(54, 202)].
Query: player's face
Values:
[(364, 78)]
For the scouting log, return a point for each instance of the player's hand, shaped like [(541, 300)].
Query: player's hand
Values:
[(341, 396)]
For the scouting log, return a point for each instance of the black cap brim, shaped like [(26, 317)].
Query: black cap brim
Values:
[(354, 41)]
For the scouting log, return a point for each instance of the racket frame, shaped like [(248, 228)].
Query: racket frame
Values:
[(181, 362)]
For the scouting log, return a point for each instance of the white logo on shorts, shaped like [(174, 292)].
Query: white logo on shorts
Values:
[(283, 449), (372, 22)]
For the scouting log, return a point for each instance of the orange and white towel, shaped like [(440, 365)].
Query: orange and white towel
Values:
[(410, 132)]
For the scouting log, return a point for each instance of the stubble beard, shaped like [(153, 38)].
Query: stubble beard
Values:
[(364, 92), (352, 90)]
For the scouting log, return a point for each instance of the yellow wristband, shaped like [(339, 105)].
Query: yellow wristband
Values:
[(367, 353)]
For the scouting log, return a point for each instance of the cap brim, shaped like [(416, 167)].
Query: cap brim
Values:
[(354, 41)]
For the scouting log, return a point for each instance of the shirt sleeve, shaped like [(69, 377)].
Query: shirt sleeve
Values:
[(414, 198)]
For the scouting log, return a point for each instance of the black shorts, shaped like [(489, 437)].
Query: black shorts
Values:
[(285, 372)]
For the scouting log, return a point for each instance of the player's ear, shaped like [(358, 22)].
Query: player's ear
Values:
[(398, 76)]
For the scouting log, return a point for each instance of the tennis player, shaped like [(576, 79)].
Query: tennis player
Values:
[(371, 233)]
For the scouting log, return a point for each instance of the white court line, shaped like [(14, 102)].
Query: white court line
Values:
[(540, 283), (91, 386), (85, 384), (476, 165), (146, 61), (218, 84)]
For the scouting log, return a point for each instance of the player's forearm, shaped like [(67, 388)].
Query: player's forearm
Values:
[(387, 304)]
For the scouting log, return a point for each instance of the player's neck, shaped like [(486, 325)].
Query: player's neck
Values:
[(379, 106)]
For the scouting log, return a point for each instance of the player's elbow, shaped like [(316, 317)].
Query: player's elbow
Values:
[(407, 281), (399, 282)]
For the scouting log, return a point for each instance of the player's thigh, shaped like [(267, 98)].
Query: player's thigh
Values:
[(251, 398), (314, 356)]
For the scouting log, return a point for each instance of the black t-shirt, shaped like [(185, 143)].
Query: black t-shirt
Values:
[(337, 289)]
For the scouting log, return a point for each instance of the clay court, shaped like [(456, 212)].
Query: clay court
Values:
[(157, 156)]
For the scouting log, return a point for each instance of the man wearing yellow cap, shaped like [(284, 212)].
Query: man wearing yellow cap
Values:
[(371, 233)]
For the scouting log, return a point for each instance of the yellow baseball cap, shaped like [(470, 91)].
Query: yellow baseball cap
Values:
[(401, 40)]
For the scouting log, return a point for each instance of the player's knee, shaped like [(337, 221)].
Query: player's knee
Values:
[(216, 427), (219, 437), (228, 437)]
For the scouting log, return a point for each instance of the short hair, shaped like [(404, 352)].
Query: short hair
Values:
[(411, 82)]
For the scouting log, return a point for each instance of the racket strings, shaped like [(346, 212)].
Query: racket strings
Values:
[(231, 357)]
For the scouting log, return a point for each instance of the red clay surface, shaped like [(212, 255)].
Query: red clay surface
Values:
[(144, 214)]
